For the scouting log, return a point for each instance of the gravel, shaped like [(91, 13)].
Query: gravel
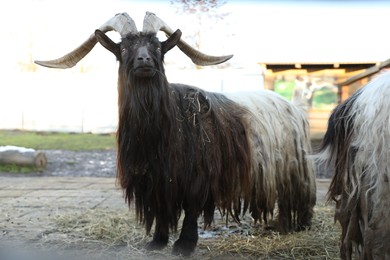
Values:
[(100, 163)]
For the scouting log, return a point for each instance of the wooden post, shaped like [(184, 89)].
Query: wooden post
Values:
[(269, 82)]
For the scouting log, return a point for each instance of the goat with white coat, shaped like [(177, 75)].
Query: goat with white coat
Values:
[(356, 147)]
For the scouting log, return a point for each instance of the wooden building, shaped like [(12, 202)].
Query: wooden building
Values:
[(347, 77)]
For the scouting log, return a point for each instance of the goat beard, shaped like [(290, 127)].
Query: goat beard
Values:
[(145, 98), (146, 116), (145, 138)]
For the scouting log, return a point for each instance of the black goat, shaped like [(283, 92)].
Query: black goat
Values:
[(182, 148)]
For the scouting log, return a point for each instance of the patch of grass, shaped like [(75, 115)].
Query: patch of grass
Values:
[(57, 141), (18, 169)]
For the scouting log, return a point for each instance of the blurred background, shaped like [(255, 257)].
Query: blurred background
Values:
[(300, 49)]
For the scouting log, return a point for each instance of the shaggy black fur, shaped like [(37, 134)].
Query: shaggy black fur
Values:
[(179, 148)]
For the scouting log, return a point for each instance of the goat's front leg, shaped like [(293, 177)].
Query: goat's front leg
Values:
[(160, 236), (188, 239)]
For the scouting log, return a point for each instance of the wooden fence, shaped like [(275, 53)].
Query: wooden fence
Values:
[(318, 120)]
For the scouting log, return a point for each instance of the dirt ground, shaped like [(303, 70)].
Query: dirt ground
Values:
[(62, 213)]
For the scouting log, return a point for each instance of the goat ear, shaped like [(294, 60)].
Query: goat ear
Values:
[(107, 43), (171, 41)]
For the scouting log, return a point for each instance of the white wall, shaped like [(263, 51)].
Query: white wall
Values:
[(59, 102), (54, 100)]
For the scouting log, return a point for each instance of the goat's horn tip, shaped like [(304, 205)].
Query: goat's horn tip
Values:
[(224, 59), (50, 64), (43, 63), (214, 61), (40, 62)]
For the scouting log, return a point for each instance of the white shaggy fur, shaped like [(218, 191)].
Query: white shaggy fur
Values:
[(280, 143), (363, 196), (371, 169)]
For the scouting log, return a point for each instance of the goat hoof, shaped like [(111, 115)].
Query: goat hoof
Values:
[(183, 247), (155, 245), (302, 227)]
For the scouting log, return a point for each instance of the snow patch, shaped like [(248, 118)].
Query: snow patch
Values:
[(15, 148)]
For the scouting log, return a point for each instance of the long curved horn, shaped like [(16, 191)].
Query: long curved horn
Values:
[(154, 24), (121, 23)]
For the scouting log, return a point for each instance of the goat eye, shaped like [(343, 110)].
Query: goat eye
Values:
[(124, 51), (159, 49)]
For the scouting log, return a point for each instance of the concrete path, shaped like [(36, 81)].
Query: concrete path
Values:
[(28, 204)]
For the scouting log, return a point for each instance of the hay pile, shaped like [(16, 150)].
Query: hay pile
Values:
[(320, 242), (118, 231)]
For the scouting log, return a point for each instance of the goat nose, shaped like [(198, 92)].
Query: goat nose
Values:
[(143, 58), (143, 54)]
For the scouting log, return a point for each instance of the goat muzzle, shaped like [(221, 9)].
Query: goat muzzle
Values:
[(145, 71)]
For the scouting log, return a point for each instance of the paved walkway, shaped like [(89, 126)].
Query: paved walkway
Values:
[(28, 204)]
